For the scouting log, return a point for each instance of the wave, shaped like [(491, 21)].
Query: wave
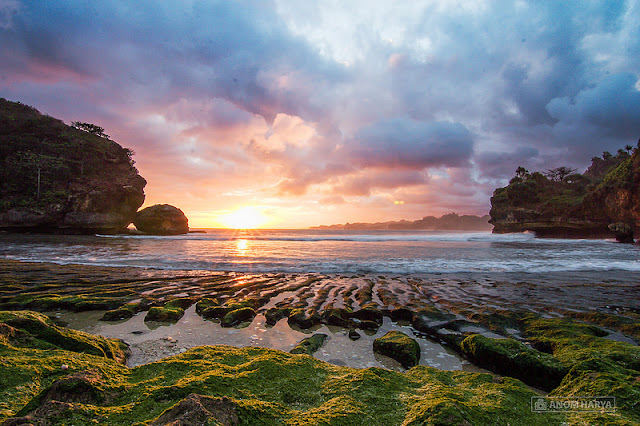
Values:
[(377, 237)]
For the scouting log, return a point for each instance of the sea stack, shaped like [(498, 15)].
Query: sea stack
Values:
[(161, 219)]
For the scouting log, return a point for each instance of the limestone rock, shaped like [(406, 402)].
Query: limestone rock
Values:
[(161, 219)]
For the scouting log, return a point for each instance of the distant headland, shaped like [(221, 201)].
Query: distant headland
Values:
[(447, 222)]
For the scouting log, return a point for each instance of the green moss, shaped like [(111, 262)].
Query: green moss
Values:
[(205, 303), (597, 366), (301, 319), (237, 316), (262, 386), (273, 315), (49, 302), (166, 313), (510, 357), (398, 346), (37, 330), (123, 312), (309, 345)]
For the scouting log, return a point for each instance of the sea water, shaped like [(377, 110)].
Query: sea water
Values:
[(331, 251)]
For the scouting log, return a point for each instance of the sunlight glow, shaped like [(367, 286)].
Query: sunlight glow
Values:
[(249, 217)]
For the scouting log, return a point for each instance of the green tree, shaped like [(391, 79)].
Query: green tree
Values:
[(90, 128)]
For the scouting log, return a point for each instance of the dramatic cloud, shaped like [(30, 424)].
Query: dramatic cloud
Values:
[(332, 111), (405, 143)]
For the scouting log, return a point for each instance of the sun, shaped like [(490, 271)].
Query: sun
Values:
[(249, 217)]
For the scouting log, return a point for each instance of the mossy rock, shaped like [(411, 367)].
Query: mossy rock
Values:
[(273, 315), (237, 316), (337, 316), (309, 345), (205, 303), (398, 346), (512, 358), (368, 325), (32, 329), (180, 302), (164, 314), (401, 314), (299, 318), (597, 366), (123, 312), (369, 312)]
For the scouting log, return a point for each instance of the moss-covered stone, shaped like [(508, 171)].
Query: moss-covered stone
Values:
[(273, 315), (337, 316), (167, 313), (369, 312), (237, 316), (205, 303), (399, 346), (510, 357), (309, 345), (597, 366), (301, 319), (34, 330), (123, 312)]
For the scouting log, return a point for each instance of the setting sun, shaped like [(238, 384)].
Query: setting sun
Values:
[(249, 217)]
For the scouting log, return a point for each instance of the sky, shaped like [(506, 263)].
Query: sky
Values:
[(300, 113)]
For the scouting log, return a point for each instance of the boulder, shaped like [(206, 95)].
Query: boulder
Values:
[(161, 219), (398, 346)]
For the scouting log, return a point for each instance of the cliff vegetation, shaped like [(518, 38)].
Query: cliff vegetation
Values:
[(601, 202)]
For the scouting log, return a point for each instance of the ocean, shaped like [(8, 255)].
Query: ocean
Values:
[(330, 251)]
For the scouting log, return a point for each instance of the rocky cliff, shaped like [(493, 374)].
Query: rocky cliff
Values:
[(58, 178), (560, 203)]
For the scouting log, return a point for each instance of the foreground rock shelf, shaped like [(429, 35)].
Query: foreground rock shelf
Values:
[(569, 339)]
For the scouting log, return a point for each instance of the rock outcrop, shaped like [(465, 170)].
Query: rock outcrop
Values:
[(57, 178), (161, 219), (603, 202), (397, 345)]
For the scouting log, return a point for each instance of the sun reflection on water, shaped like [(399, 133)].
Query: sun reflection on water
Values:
[(242, 247)]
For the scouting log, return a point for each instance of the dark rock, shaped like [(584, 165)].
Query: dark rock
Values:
[(161, 219), (401, 314), (338, 317), (309, 345), (623, 232), (197, 410), (299, 318), (273, 315), (368, 325), (88, 183), (237, 316), (354, 335), (510, 357), (398, 346), (369, 312)]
